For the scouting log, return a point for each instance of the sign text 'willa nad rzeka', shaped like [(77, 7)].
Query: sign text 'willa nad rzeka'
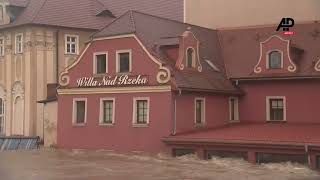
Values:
[(123, 80)]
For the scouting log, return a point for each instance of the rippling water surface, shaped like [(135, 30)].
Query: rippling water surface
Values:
[(102, 165)]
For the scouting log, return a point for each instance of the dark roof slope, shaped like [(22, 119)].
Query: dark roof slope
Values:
[(241, 49), (19, 3), (82, 13), (151, 30)]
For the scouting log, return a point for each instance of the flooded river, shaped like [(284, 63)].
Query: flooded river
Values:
[(101, 165)]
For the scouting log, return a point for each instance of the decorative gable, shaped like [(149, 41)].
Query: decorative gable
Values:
[(275, 56), (189, 52)]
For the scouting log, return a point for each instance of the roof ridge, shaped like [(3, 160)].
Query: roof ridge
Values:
[(109, 24), (36, 15), (132, 19), (172, 20)]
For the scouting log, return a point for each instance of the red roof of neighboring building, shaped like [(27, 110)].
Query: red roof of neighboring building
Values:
[(269, 133), (82, 13), (152, 30), (241, 49)]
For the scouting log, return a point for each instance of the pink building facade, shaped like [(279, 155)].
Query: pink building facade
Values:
[(178, 88)]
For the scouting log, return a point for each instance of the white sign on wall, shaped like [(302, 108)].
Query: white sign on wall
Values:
[(123, 80)]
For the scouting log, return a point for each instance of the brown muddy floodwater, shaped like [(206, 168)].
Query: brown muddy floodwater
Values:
[(101, 165)]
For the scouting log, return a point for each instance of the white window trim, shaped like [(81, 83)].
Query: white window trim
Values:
[(203, 120), (268, 108), (134, 114), (118, 60), (2, 46), (66, 44), (236, 109), (95, 61), (267, 58), (74, 112), (16, 47), (193, 57), (101, 123)]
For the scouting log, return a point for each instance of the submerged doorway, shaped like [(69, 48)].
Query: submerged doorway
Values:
[(18, 117), (1, 116)]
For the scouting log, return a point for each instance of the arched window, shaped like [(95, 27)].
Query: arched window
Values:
[(275, 60), (190, 57)]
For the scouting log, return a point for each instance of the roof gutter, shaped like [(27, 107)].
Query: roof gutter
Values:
[(274, 78)]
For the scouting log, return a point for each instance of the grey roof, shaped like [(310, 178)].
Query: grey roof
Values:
[(152, 31)]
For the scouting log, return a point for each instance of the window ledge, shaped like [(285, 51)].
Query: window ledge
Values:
[(71, 54), (234, 121), (100, 75), (106, 125), (140, 125), (202, 125), (79, 125), (276, 121)]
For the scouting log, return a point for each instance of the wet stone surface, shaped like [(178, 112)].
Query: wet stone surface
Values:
[(83, 165)]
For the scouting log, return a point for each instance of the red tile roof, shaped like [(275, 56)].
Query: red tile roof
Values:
[(268, 133), (241, 49), (82, 13), (157, 29)]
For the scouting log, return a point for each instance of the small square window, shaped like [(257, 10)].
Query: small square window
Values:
[(79, 111), (71, 44), (100, 63), (124, 61)]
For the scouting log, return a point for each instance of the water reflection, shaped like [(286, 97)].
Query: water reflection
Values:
[(83, 165)]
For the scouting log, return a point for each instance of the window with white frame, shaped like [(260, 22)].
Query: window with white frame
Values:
[(199, 106), (100, 63), (71, 44), (275, 60), (1, 46), (234, 108), (107, 111), (1, 116), (124, 61), (19, 44), (1, 14), (79, 111), (190, 57), (141, 108), (276, 109)]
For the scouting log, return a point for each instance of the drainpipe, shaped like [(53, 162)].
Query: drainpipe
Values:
[(57, 56), (306, 148), (175, 113)]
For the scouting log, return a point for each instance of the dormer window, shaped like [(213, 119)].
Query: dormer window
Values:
[(275, 60), (190, 57)]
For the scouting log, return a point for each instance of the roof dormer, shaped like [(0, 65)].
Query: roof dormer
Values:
[(189, 52), (275, 57)]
